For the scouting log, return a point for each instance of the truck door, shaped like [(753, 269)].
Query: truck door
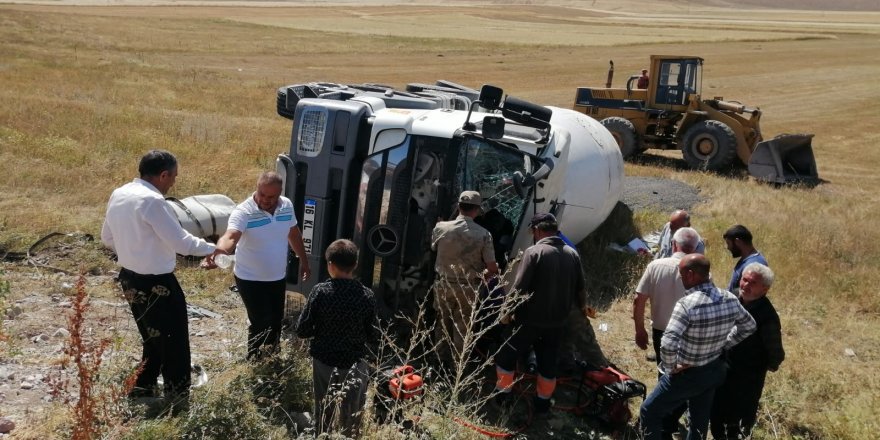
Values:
[(400, 195)]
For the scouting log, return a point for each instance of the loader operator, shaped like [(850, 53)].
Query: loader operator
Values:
[(643, 80), (464, 253)]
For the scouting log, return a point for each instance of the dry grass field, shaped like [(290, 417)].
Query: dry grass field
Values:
[(85, 90)]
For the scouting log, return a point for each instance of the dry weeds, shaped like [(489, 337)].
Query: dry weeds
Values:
[(85, 91)]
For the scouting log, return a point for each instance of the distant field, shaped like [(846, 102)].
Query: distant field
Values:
[(539, 25), (86, 90)]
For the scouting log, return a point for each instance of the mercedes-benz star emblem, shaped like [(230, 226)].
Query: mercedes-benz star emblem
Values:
[(383, 240)]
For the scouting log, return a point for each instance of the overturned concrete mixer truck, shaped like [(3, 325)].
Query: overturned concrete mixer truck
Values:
[(381, 166)]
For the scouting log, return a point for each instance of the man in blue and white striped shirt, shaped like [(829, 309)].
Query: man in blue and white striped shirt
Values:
[(704, 323)]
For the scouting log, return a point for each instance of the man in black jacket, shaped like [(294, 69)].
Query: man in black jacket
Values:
[(551, 273), (735, 407)]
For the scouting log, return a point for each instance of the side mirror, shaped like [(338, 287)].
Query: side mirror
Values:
[(493, 127), (490, 96), (521, 182)]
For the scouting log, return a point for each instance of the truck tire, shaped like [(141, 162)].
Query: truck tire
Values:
[(709, 145), (624, 133)]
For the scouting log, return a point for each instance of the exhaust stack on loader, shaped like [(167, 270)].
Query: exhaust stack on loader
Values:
[(711, 133)]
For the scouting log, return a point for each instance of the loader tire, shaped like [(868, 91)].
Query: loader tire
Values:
[(709, 145), (624, 133)]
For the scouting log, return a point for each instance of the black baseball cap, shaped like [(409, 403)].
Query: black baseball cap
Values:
[(542, 217)]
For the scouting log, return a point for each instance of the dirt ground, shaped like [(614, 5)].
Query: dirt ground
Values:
[(38, 310)]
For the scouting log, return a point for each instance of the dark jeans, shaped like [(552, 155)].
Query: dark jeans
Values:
[(545, 342), (735, 408), (656, 336), (694, 386), (159, 310), (264, 302), (340, 394), (670, 422)]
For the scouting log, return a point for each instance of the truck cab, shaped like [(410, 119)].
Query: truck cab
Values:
[(381, 166)]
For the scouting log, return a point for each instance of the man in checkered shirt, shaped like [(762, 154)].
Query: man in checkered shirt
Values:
[(704, 324)]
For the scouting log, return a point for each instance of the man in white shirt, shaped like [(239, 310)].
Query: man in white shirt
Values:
[(145, 234), (260, 229)]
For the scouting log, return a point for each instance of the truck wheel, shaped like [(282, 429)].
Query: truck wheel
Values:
[(709, 145), (624, 133)]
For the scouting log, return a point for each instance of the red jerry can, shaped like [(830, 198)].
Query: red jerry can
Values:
[(405, 383)]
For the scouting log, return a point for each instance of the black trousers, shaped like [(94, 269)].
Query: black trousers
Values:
[(735, 408), (159, 310), (264, 302), (545, 342), (670, 422)]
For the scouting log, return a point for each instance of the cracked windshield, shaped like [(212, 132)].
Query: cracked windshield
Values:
[(489, 169)]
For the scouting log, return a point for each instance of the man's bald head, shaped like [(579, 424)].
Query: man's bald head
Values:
[(679, 219), (694, 270)]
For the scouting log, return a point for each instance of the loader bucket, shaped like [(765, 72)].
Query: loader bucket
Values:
[(787, 158)]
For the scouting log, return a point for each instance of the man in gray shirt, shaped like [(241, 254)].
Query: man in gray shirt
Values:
[(551, 273)]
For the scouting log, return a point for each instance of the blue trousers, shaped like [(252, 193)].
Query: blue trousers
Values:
[(694, 386)]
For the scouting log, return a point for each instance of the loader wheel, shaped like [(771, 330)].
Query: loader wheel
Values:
[(624, 133), (709, 145)]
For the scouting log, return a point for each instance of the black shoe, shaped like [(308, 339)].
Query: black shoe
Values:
[(542, 406), (139, 392)]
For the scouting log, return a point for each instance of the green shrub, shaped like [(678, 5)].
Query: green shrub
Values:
[(281, 384), (224, 413)]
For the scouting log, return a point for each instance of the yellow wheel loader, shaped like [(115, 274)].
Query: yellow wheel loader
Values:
[(712, 133)]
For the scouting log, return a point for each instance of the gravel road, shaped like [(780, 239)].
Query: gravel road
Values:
[(664, 195)]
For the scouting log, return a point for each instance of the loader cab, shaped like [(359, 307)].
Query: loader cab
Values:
[(674, 80)]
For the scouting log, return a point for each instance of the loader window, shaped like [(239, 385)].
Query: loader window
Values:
[(678, 80)]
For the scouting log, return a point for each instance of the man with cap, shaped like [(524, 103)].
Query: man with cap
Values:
[(464, 256), (678, 219), (551, 273), (643, 80), (739, 242)]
